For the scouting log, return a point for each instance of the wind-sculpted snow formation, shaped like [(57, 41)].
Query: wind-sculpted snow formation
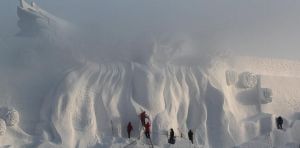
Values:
[(226, 101), (95, 101), (93, 96)]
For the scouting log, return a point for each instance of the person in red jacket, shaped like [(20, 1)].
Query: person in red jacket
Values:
[(143, 117), (147, 130), (129, 129)]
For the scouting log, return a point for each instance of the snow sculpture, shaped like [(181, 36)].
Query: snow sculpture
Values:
[(231, 77), (248, 80), (2, 127), (11, 117), (35, 21), (265, 95)]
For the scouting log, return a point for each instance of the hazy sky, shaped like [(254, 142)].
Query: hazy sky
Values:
[(256, 27)]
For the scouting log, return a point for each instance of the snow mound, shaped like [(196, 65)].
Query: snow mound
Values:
[(248, 80), (2, 127)]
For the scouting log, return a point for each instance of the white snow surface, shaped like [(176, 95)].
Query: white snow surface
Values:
[(92, 104), (226, 101)]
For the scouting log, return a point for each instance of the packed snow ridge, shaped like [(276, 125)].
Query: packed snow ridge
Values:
[(230, 102)]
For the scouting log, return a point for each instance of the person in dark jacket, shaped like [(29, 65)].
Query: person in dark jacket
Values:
[(190, 134), (129, 129), (279, 122), (172, 137)]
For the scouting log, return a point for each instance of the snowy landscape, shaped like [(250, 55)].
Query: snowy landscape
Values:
[(71, 83)]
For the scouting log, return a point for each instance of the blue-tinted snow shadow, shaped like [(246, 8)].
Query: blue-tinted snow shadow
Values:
[(248, 97)]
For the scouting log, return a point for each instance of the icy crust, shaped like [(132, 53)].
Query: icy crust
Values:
[(2, 127)]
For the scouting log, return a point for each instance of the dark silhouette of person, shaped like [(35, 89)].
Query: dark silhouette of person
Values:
[(129, 129), (147, 130), (279, 122), (190, 134), (172, 137)]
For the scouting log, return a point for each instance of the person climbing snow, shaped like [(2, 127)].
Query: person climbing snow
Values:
[(143, 117), (129, 129), (279, 122), (147, 130), (172, 137), (190, 133)]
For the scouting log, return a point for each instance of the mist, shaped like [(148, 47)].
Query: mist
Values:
[(144, 32), (118, 29), (147, 31)]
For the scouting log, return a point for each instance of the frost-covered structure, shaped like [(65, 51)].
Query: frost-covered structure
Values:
[(90, 103), (2, 127), (95, 101), (33, 20), (248, 80)]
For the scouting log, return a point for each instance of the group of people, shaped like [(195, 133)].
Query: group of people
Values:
[(172, 140), (145, 121)]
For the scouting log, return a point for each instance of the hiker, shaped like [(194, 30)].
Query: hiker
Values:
[(147, 130), (190, 133), (279, 122), (172, 137), (143, 117), (129, 129)]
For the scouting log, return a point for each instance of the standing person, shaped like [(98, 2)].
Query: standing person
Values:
[(172, 137), (143, 117), (147, 130), (279, 122), (129, 129), (190, 133)]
